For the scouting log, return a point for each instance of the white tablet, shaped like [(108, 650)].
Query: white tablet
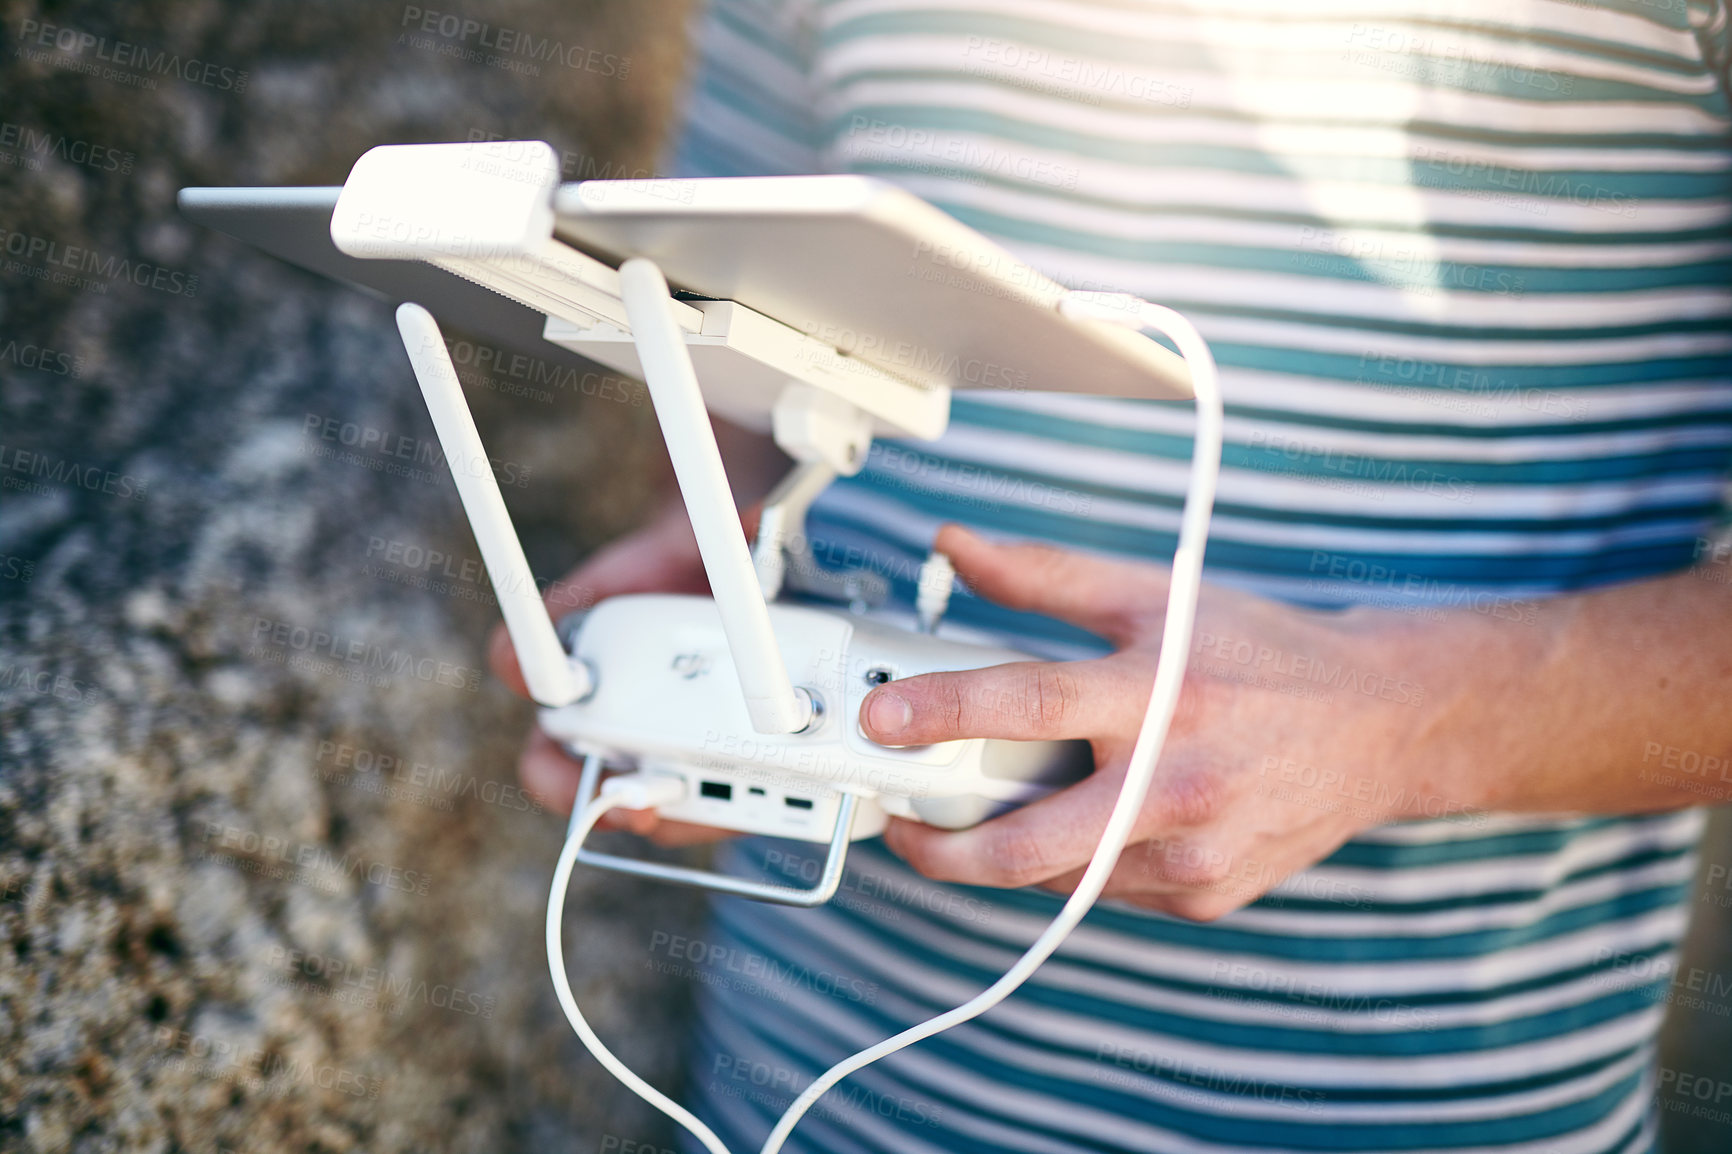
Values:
[(852, 261), (874, 270)]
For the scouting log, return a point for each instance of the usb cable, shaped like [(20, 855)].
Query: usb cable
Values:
[(635, 791)]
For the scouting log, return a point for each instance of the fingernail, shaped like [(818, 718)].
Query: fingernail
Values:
[(888, 713)]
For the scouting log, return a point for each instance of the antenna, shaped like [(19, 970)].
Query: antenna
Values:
[(553, 678), (772, 701), (486, 213)]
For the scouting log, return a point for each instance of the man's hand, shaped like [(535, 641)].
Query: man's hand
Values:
[(1295, 730), (662, 557)]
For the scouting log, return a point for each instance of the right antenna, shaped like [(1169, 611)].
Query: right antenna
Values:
[(773, 702), (553, 678)]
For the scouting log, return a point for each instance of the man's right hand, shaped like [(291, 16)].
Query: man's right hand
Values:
[(662, 557)]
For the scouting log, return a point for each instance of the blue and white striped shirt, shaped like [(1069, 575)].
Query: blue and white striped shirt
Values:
[(1465, 267)]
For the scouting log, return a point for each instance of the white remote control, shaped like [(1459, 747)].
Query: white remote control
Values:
[(666, 701), (742, 711)]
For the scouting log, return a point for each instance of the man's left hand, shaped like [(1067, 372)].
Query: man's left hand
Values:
[(1295, 730)]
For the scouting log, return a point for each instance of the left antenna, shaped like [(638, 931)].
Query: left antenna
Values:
[(553, 678)]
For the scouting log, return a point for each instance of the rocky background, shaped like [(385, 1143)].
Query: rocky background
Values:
[(256, 896)]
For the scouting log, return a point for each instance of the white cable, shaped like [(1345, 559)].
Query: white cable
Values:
[(574, 838), (1163, 700), (1182, 593)]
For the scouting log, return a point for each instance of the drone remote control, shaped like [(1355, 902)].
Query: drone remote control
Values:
[(656, 684), (746, 708), (742, 711), (667, 702)]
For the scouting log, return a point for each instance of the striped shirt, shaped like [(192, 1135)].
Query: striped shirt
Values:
[(1465, 267)]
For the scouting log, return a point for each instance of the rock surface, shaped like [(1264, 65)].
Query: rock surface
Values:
[(262, 891)]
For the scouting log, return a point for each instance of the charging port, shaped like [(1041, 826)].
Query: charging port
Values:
[(798, 802), (720, 790)]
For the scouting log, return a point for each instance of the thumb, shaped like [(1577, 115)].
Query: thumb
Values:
[(502, 660), (577, 590), (660, 558), (1021, 701), (1046, 839), (1104, 596)]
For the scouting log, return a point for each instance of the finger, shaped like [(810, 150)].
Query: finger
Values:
[(663, 558), (551, 776), (548, 772), (1034, 844), (650, 824), (674, 834), (578, 589), (1208, 874), (502, 660), (660, 559), (1131, 880), (608, 573), (1023, 701), (1101, 595), (1176, 901)]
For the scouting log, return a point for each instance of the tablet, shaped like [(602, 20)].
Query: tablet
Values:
[(872, 269), (294, 224), (851, 261)]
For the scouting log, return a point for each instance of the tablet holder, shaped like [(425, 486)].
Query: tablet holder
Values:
[(694, 688)]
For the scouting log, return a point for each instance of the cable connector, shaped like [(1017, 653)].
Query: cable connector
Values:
[(643, 790), (932, 590)]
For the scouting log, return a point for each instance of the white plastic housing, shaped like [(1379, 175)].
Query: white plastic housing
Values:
[(774, 704), (667, 699), (469, 201), (552, 678)]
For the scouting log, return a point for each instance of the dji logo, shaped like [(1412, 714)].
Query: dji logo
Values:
[(691, 665)]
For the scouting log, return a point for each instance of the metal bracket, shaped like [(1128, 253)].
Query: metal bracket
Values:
[(783, 554), (782, 522), (720, 883)]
